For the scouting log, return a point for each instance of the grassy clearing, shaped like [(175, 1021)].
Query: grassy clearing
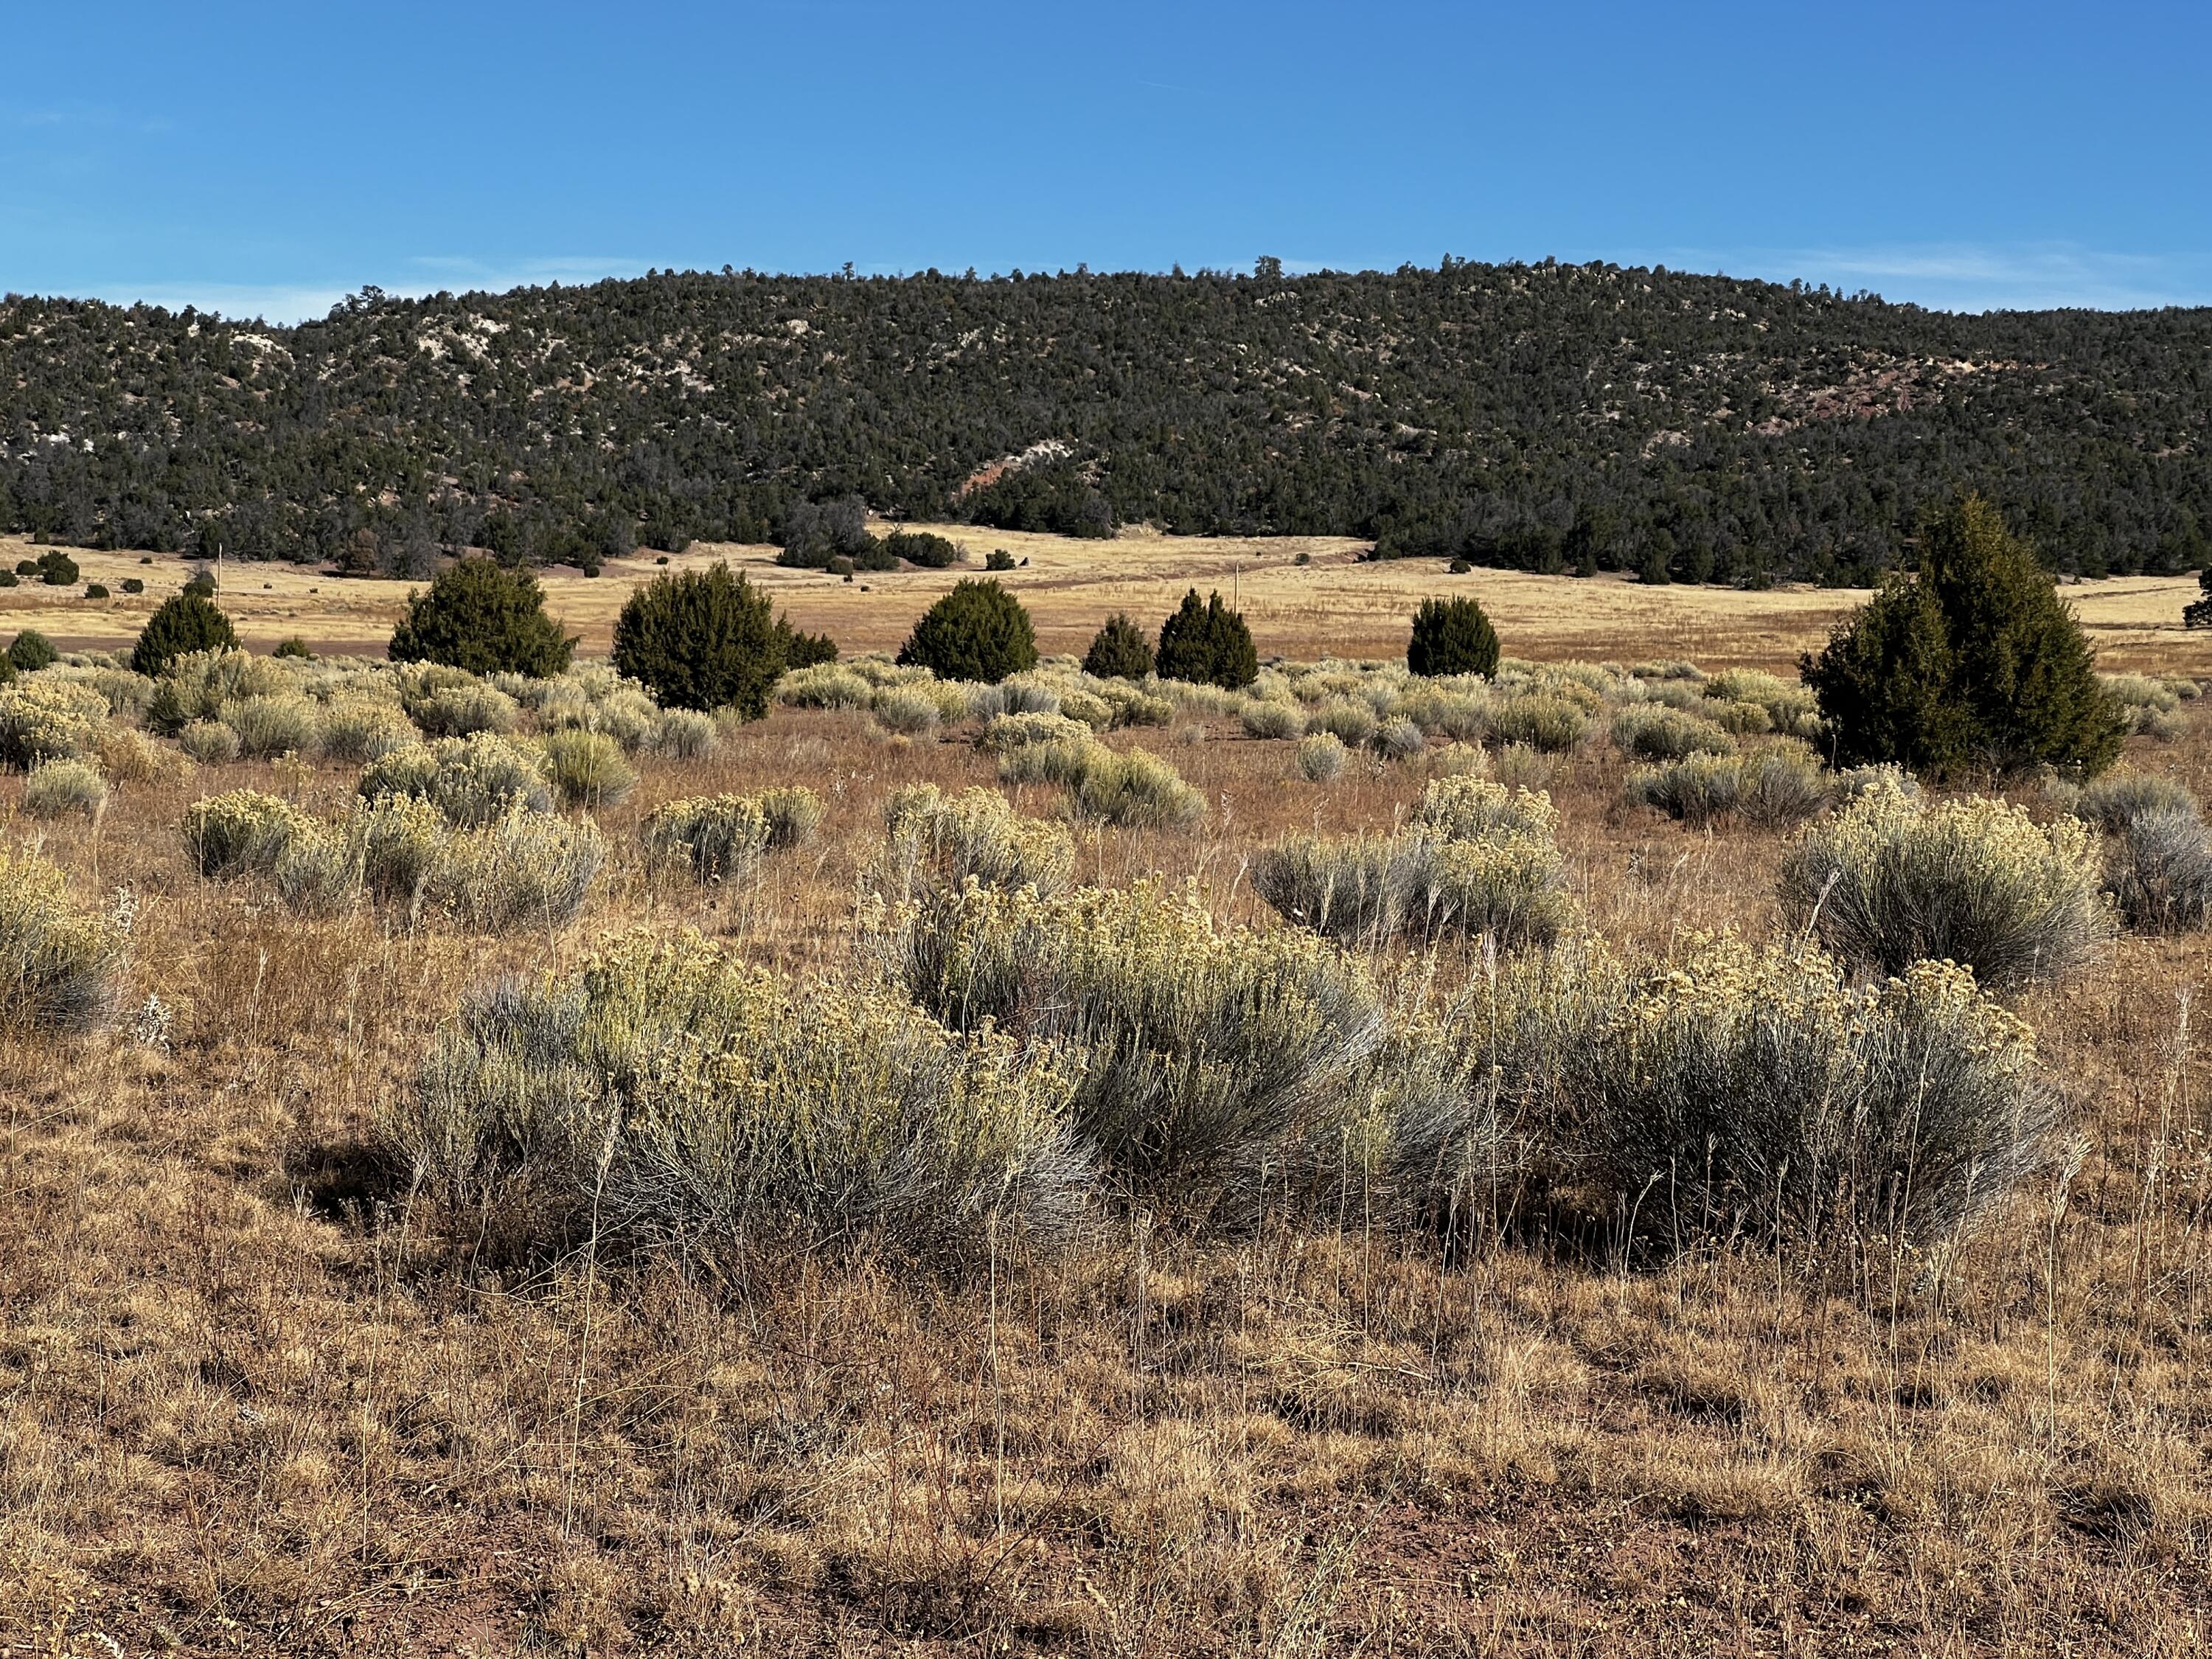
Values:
[(1420, 1360)]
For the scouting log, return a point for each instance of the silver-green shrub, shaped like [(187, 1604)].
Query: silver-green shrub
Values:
[(1203, 1052), (718, 837), (1765, 1095), (1653, 731), (240, 833), (1322, 757), (1890, 881), (61, 788), (58, 967), (674, 1095), (943, 842), (472, 780), (587, 768)]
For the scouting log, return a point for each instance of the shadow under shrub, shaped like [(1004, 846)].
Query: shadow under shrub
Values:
[(720, 1110), (1890, 880)]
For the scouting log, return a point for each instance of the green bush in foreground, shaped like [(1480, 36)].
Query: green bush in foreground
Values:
[(479, 616), (58, 966), (679, 1098), (1452, 636), (1890, 881), (1207, 644), (979, 631), (181, 624), (1974, 663), (703, 640)]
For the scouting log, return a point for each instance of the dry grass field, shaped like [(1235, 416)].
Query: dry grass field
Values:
[(252, 1402), (1334, 605)]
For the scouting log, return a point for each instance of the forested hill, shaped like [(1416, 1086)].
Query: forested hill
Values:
[(1551, 416)]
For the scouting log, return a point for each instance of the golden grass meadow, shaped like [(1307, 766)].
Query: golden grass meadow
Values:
[(267, 1387)]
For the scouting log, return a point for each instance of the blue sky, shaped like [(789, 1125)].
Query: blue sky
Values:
[(268, 159)]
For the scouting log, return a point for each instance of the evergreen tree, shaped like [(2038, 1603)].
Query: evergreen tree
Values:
[(1976, 662), (922, 548), (32, 651), (803, 650), (2197, 613), (1119, 651), (1207, 644), (183, 623), (703, 638), (1452, 636), (978, 631), (483, 617)]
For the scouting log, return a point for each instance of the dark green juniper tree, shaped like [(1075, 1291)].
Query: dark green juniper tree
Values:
[(1119, 651), (483, 617), (1207, 644), (183, 623), (1973, 663), (1452, 636), (706, 639), (978, 631)]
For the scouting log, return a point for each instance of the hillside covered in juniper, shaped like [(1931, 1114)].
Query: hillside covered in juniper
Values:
[(1546, 417)]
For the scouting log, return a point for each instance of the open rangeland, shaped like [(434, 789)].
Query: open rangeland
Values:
[(258, 1396), (1336, 604)]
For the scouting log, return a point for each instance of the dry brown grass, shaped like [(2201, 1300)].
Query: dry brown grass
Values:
[(246, 1407), (1337, 604)]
